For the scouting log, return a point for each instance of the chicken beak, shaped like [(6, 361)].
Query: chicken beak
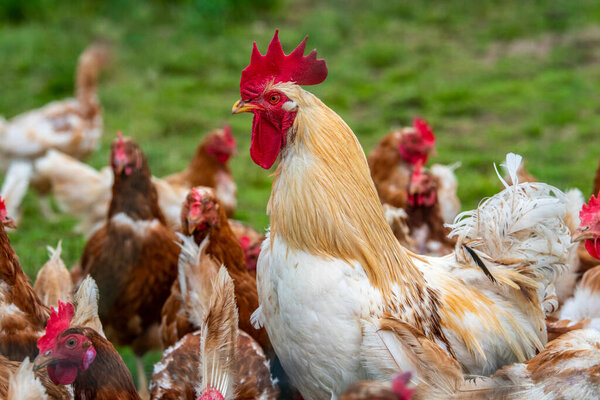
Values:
[(241, 106), (43, 360), (582, 233), (191, 227), (9, 223)]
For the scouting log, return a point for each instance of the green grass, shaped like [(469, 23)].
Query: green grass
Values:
[(491, 77)]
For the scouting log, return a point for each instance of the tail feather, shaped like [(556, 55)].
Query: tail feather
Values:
[(53, 280), (86, 306), (219, 338), (196, 270), (521, 228)]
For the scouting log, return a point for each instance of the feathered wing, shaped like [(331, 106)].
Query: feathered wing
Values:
[(219, 333), (24, 385), (15, 185), (86, 306), (438, 374), (53, 280)]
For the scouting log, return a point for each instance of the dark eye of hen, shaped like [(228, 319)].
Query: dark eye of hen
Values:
[(71, 342)]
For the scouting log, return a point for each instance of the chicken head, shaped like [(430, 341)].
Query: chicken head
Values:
[(200, 211), (589, 229), (221, 144), (125, 156), (274, 112), (5, 219), (63, 351), (417, 143)]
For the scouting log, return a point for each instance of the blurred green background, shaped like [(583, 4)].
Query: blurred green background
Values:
[(489, 76)]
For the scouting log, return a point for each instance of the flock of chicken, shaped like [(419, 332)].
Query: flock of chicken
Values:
[(409, 300)]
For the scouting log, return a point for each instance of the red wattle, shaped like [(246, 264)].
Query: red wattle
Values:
[(266, 142), (62, 373), (593, 248)]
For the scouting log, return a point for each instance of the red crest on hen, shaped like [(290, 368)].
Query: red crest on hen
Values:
[(276, 66), (425, 131), (590, 211), (57, 323)]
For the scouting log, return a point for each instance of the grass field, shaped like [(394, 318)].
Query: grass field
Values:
[(490, 77)]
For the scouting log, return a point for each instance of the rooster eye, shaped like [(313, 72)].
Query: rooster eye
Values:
[(71, 342), (274, 99)]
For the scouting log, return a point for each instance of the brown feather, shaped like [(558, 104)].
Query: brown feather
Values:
[(203, 169), (225, 249), (107, 377), (23, 317), (134, 266)]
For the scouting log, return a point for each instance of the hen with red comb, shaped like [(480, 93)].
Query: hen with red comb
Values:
[(59, 321), (589, 229)]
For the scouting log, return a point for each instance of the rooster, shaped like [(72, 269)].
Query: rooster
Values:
[(333, 279), (216, 360), (133, 257), (22, 314), (203, 217)]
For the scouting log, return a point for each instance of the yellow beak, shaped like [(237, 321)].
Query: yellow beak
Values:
[(240, 106)]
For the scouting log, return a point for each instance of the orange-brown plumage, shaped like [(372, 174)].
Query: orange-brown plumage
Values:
[(133, 257), (225, 249), (209, 167), (390, 172), (23, 315)]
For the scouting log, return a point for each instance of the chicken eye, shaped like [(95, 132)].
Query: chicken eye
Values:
[(274, 99), (71, 342)]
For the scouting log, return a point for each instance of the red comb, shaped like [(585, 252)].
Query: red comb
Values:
[(590, 210), (425, 131), (399, 385), (196, 195), (245, 242), (2, 204), (57, 323), (276, 66), (227, 131), (121, 140)]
